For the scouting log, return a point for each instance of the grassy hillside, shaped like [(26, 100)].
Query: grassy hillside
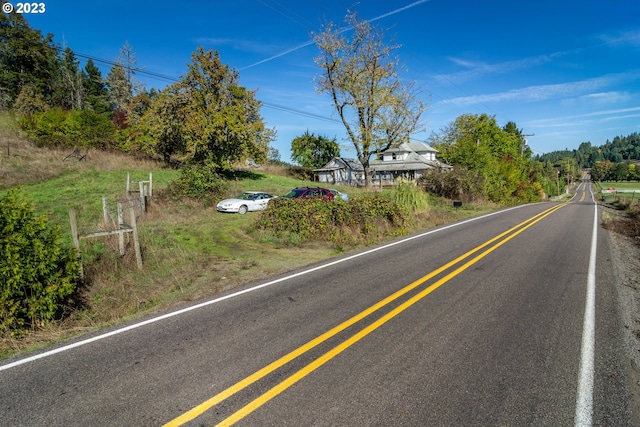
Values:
[(189, 250)]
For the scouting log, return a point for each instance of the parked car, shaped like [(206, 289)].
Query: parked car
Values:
[(309, 192), (246, 202), (339, 195)]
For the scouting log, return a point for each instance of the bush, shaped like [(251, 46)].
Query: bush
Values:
[(82, 128), (37, 272), (200, 182), (316, 219), (458, 184)]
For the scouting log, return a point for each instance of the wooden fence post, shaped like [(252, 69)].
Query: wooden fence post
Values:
[(136, 242), (150, 184), (105, 210), (128, 184), (76, 240), (143, 203), (121, 234)]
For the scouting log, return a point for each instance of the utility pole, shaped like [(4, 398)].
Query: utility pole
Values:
[(524, 142)]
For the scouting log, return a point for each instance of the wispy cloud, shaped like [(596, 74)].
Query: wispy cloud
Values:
[(476, 69), (239, 44), (544, 92), (599, 98), (629, 38), (402, 9), (310, 42), (587, 118)]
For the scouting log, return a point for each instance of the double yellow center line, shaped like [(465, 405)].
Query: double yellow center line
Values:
[(499, 240)]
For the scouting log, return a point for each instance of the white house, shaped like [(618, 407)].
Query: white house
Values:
[(408, 160), (341, 170)]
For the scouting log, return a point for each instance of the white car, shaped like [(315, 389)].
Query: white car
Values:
[(245, 202), (337, 195)]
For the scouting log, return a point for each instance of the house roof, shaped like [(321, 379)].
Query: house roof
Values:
[(412, 162), (414, 146), (407, 166), (340, 163)]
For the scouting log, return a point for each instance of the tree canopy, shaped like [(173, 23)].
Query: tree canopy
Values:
[(26, 58), (620, 149), (209, 116), (477, 143), (360, 73), (311, 151)]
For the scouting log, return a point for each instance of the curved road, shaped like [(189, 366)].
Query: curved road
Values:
[(509, 319)]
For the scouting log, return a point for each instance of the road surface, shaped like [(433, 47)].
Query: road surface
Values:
[(509, 319)]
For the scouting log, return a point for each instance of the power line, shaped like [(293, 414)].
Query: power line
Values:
[(114, 63), (175, 80)]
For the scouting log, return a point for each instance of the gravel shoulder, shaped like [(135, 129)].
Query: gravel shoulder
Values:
[(626, 256)]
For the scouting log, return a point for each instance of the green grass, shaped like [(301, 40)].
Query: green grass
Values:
[(627, 197), (189, 250), (621, 185)]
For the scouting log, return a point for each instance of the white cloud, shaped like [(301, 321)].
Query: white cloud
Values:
[(629, 38), (545, 92), (587, 118), (600, 98), (476, 69)]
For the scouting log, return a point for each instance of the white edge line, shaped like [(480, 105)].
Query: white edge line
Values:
[(584, 399), (235, 294)]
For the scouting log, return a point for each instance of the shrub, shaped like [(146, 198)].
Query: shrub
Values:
[(316, 219), (460, 183), (82, 128), (199, 181), (37, 272)]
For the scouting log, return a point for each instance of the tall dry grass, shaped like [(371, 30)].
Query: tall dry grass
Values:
[(23, 162)]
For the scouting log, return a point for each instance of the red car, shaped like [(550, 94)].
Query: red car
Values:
[(309, 192)]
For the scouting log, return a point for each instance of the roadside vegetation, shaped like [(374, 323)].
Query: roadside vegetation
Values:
[(190, 251), (69, 137), (624, 213)]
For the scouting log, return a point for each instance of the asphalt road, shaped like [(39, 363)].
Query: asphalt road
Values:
[(481, 323)]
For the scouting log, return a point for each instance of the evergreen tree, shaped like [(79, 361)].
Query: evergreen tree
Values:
[(95, 89), (70, 92), (120, 91), (26, 57)]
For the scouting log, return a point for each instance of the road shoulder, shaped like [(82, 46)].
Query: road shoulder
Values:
[(626, 257)]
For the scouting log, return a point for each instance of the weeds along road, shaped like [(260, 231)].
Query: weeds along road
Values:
[(507, 319)]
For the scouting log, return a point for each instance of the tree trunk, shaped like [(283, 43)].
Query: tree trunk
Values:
[(368, 182)]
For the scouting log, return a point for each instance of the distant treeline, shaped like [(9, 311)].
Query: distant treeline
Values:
[(623, 149)]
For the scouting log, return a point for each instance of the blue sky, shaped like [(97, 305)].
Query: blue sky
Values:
[(567, 71)]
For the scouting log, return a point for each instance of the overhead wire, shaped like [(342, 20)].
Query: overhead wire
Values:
[(296, 18)]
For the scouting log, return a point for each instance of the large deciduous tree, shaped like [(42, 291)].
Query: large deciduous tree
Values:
[(477, 142), (209, 116), (311, 151), (360, 73), (165, 121)]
